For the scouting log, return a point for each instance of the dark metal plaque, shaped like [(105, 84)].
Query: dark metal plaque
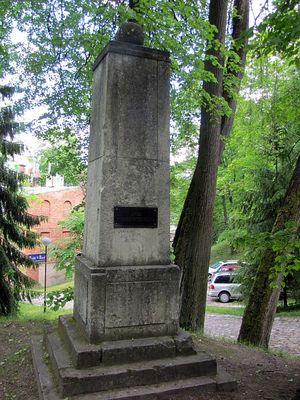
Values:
[(135, 217)]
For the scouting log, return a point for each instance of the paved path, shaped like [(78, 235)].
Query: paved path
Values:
[(285, 333)]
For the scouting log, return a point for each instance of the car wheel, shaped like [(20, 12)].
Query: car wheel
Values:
[(224, 297)]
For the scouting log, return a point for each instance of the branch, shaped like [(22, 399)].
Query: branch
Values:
[(240, 26)]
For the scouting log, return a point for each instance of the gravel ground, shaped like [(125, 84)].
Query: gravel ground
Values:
[(260, 375), (285, 335)]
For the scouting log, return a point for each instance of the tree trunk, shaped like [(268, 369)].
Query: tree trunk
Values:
[(193, 242), (285, 298), (260, 311), (240, 25)]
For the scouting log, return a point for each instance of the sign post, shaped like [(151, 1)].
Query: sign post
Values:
[(46, 241)]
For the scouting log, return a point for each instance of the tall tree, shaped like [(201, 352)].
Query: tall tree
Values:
[(15, 222), (279, 33), (260, 155), (193, 237), (192, 249), (260, 311), (64, 38)]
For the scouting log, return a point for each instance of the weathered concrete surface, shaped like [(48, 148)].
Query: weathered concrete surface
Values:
[(128, 158), (175, 377), (126, 302), (125, 286), (85, 355), (128, 167), (126, 182)]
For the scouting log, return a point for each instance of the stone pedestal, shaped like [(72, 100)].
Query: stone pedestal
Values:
[(124, 285), (114, 303), (123, 341)]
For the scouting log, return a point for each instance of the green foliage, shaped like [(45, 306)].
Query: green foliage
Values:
[(15, 222), (286, 245), (180, 174), (223, 251), (259, 157), (57, 299), (256, 168), (8, 11), (280, 31), (63, 156), (64, 250), (65, 37)]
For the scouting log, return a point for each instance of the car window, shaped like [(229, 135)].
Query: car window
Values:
[(216, 265), (229, 267), (222, 279)]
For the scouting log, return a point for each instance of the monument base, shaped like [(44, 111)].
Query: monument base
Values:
[(123, 341), (166, 367), (125, 302)]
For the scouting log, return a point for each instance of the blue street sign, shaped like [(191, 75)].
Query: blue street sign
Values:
[(37, 256)]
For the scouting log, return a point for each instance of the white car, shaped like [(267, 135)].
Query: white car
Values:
[(222, 286), (223, 266)]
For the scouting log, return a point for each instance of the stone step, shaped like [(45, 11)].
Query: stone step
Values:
[(85, 354), (181, 389), (73, 381)]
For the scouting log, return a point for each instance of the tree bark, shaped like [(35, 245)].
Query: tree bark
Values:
[(193, 236), (193, 242), (240, 25), (260, 311), (285, 298)]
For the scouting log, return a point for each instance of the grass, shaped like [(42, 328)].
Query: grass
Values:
[(31, 312), (291, 313), (53, 288), (239, 311)]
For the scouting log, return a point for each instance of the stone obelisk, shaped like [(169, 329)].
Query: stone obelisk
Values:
[(125, 286), (123, 341)]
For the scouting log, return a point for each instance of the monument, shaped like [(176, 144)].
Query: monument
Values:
[(123, 340)]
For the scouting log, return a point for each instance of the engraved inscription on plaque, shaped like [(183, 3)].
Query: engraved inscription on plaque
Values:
[(135, 217)]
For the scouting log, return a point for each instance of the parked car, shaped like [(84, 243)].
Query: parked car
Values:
[(223, 266), (223, 286)]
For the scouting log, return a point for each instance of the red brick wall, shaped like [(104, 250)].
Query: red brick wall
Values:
[(33, 273), (54, 203)]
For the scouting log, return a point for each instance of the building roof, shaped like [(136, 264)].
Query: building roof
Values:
[(44, 189)]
